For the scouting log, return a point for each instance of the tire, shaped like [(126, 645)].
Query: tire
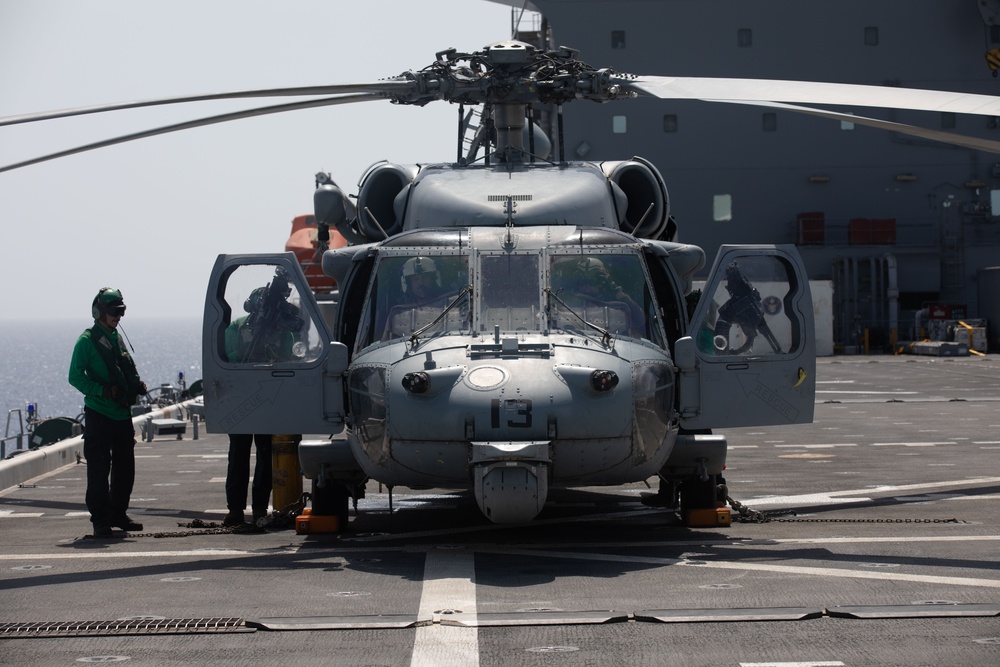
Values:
[(330, 500), (699, 495)]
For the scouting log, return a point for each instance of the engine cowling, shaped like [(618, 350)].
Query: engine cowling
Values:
[(648, 212), (380, 206)]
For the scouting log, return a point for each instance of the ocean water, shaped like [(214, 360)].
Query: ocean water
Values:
[(34, 360)]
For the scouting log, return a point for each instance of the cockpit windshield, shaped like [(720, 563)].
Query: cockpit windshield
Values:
[(508, 293), (606, 292), (409, 293), (516, 292)]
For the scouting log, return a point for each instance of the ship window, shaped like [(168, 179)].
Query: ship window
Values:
[(670, 122), (744, 38), (995, 203), (769, 122), (722, 208), (617, 39), (871, 35), (846, 124), (619, 124)]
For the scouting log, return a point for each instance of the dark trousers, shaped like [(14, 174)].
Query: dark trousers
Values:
[(109, 447), (238, 474)]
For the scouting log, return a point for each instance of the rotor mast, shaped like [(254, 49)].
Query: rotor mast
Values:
[(509, 121)]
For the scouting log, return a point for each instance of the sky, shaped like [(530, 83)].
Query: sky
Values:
[(150, 217)]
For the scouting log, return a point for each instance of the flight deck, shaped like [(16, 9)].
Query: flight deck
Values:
[(870, 537)]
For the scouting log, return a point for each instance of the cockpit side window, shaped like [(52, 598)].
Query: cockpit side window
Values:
[(673, 309), (508, 293), (408, 292)]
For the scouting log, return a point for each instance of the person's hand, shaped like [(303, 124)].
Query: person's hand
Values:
[(111, 391), (142, 388)]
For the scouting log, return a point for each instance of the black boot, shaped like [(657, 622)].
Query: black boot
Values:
[(103, 531), (234, 519), (126, 524)]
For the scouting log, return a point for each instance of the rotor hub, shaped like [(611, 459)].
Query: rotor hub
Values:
[(511, 72)]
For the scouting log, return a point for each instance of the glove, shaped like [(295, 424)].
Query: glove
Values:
[(142, 388), (111, 391)]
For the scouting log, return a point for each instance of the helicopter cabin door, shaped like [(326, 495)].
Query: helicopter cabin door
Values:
[(749, 358), (269, 363)]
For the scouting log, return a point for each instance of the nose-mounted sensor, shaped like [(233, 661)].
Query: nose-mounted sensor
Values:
[(416, 383), (603, 380)]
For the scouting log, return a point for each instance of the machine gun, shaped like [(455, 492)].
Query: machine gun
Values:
[(272, 319), (744, 309)]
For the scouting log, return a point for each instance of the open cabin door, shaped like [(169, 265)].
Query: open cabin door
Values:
[(750, 356), (269, 363)]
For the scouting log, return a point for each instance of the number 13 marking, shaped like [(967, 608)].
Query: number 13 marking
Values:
[(517, 412)]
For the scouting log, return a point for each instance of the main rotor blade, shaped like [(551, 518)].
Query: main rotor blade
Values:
[(380, 87), (965, 141), (237, 115), (811, 92)]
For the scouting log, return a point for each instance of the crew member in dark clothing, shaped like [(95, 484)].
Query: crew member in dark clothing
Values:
[(266, 334), (103, 370), (238, 478)]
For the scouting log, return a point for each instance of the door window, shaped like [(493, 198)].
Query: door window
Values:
[(267, 323), (749, 310)]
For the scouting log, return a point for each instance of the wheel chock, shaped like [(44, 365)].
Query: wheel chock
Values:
[(718, 517), (311, 524)]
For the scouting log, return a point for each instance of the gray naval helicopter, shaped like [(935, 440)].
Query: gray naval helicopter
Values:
[(511, 324), (508, 323)]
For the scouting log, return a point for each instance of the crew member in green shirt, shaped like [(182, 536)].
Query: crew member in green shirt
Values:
[(104, 372)]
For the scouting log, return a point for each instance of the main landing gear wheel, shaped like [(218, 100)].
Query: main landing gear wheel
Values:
[(330, 500), (703, 502)]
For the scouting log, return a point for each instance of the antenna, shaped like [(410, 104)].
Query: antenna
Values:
[(509, 210), (126, 338)]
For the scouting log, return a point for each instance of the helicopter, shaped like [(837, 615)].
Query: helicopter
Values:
[(510, 382), (561, 344)]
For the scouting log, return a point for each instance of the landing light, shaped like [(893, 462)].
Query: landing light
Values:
[(603, 380), (416, 383)]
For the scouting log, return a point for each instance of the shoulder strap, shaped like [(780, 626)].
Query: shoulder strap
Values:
[(121, 368)]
